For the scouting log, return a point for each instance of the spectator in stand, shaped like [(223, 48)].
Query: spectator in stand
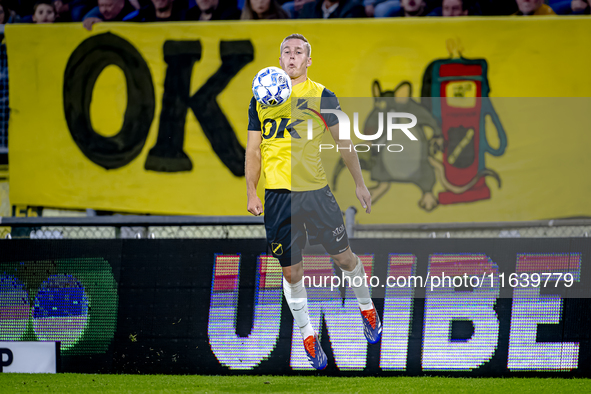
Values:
[(570, 7), (533, 7), (333, 9), (74, 10), (294, 8), (581, 7), (62, 10), (403, 8), (370, 7), (456, 8), (159, 11), (263, 9), (213, 10), (7, 15), (43, 12), (108, 11)]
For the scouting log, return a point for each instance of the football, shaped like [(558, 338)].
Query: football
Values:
[(271, 86)]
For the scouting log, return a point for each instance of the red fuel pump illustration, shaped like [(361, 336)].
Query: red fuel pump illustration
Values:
[(456, 91)]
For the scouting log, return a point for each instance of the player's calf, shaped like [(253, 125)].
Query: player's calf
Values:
[(372, 325), (296, 298)]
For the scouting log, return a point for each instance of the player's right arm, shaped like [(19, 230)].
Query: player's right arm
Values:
[(252, 167)]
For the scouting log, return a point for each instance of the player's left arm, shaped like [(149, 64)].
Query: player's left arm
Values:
[(352, 162), (330, 101)]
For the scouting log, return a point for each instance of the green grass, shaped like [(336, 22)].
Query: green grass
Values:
[(79, 383)]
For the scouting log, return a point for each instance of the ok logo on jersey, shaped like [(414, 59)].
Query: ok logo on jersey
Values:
[(270, 128)]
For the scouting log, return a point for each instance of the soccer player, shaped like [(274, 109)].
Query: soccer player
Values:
[(298, 201)]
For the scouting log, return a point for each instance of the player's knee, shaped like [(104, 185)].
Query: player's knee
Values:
[(293, 273), (346, 260)]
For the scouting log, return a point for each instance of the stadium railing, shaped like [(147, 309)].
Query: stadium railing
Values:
[(109, 227), (229, 227)]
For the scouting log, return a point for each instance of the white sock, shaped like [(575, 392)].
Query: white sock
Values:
[(297, 299), (361, 292)]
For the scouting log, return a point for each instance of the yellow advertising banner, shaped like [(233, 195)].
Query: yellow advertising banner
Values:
[(152, 118)]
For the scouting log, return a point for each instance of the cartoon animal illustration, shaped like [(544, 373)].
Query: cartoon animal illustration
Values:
[(453, 109), (409, 165)]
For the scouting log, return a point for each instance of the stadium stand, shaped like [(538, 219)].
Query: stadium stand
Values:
[(78, 10)]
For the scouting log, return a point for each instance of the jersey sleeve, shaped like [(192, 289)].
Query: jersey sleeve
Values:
[(254, 122), (329, 101)]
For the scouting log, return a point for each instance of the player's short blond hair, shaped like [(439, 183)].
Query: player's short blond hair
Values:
[(296, 36)]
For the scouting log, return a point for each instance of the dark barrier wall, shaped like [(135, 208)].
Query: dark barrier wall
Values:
[(216, 306)]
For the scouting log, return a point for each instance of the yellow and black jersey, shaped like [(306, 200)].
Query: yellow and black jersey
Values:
[(290, 152)]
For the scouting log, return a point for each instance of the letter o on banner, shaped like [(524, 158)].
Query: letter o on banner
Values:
[(85, 65)]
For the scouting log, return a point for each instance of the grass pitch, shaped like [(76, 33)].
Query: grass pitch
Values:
[(82, 383)]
